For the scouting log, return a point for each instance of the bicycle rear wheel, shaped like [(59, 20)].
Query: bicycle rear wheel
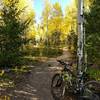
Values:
[(90, 91)]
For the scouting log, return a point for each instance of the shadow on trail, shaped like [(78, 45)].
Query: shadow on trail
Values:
[(34, 85)]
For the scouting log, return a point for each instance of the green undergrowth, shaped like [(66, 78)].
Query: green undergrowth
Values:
[(43, 51), (7, 79), (94, 73)]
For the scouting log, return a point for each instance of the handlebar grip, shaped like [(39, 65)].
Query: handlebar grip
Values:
[(61, 62)]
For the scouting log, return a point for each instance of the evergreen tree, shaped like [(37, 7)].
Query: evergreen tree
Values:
[(93, 32), (12, 29)]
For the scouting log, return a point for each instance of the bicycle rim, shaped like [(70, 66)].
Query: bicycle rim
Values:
[(57, 87), (89, 92)]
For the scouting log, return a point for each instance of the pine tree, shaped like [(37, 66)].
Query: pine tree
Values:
[(93, 32), (12, 29)]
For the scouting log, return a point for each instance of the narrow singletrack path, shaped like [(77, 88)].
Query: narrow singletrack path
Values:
[(35, 85)]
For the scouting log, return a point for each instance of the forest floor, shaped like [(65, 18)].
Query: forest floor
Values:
[(36, 84)]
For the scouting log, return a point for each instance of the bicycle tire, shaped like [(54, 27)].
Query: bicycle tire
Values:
[(57, 87), (89, 92)]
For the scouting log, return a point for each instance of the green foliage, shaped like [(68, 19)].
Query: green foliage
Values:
[(93, 32), (52, 52), (43, 51), (55, 39), (72, 41), (94, 73), (12, 30)]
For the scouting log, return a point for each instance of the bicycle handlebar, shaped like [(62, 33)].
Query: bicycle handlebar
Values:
[(63, 63)]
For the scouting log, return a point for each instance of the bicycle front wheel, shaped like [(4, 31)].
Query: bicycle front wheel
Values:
[(57, 87)]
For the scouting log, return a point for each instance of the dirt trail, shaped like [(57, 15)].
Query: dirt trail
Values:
[(35, 85)]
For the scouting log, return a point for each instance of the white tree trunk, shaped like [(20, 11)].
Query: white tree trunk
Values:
[(80, 36)]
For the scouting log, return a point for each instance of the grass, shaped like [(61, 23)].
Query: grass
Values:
[(94, 73), (44, 51), (6, 81), (8, 78)]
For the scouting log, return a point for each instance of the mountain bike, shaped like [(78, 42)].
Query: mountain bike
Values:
[(65, 83)]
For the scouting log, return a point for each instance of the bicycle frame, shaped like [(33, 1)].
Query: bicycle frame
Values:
[(68, 82), (73, 79)]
